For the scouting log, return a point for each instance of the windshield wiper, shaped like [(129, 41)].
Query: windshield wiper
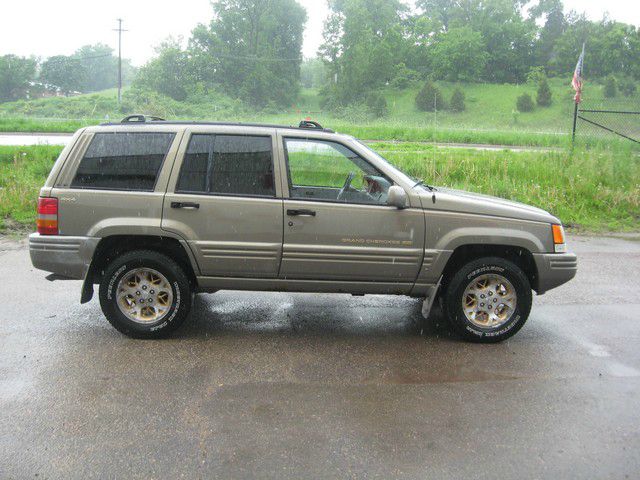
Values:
[(420, 182)]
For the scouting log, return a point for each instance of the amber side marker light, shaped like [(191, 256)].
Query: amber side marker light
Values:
[(559, 245), (47, 219)]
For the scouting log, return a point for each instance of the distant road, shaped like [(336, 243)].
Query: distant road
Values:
[(26, 138)]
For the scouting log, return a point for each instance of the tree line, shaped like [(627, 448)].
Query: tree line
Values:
[(89, 69), (252, 50)]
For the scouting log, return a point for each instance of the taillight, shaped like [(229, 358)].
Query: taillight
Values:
[(47, 221)]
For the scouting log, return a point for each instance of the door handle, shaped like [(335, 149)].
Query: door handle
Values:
[(185, 205), (301, 213)]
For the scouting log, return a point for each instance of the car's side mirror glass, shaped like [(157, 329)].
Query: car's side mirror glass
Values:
[(397, 197)]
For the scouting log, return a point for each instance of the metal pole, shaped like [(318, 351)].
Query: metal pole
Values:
[(119, 30), (575, 120)]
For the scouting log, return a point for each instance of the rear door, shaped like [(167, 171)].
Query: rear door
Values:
[(338, 224), (223, 199)]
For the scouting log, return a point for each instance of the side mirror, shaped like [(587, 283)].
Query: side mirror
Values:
[(397, 197)]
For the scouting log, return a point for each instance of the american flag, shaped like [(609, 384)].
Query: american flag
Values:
[(576, 82)]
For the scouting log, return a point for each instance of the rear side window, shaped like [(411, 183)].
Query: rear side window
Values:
[(123, 161), (228, 165)]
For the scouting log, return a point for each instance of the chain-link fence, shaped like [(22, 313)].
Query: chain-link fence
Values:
[(609, 119)]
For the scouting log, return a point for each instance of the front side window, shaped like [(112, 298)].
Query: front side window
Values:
[(329, 171), (123, 161), (228, 165)]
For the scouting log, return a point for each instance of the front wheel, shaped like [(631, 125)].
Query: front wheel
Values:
[(145, 294), (488, 300)]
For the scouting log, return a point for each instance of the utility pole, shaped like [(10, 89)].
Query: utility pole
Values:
[(119, 30)]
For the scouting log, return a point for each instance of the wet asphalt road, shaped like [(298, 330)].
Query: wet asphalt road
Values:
[(262, 385)]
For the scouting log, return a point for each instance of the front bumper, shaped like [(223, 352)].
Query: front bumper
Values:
[(66, 256), (554, 269)]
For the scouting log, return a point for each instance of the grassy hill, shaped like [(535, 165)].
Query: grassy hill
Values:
[(490, 115)]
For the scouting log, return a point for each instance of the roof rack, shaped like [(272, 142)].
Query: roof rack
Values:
[(140, 118)]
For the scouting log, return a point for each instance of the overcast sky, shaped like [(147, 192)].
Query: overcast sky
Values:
[(51, 27)]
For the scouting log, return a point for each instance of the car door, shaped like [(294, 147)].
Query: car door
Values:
[(337, 223), (223, 200)]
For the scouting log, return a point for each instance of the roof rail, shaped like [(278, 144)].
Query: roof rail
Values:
[(310, 124), (139, 118)]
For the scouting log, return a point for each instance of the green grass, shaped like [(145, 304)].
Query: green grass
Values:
[(590, 190), (490, 116), (23, 171)]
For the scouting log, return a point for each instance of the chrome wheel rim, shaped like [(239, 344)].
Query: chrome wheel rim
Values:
[(489, 301), (144, 295)]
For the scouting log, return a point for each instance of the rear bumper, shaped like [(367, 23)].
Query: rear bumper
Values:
[(554, 269), (67, 256)]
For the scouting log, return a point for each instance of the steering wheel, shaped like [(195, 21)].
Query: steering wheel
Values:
[(347, 184)]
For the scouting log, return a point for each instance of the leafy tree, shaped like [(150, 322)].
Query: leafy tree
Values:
[(554, 27), (168, 73), (67, 73), (430, 98), (457, 101), (459, 54), (610, 87), (543, 95), (524, 103), (15, 75), (363, 40), (251, 49), (101, 67)]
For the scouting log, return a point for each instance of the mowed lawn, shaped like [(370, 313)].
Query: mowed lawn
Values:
[(590, 190)]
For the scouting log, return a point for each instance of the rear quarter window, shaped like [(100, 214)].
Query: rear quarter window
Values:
[(123, 161)]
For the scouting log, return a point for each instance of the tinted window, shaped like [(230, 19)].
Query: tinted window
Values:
[(123, 161), (228, 164)]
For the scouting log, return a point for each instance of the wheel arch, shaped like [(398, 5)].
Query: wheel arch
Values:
[(112, 246), (465, 253)]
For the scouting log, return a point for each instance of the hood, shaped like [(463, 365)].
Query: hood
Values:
[(460, 201)]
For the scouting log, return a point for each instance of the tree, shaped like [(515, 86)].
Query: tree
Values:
[(524, 103), (610, 87), (457, 101), (101, 67), (362, 42), (15, 75), (459, 55), (251, 49), (168, 72), (543, 95), (627, 87), (553, 28), (430, 98), (67, 73), (313, 73)]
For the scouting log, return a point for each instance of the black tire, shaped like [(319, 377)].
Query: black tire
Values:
[(175, 275), (455, 290)]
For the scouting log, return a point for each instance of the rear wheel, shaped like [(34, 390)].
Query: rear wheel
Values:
[(488, 300), (145, 294)]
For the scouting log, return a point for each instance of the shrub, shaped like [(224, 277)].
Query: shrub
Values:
[(377, 104), (628, 87), (610, 87), (430, 98), (524, 103), (543, 96), (457, 101)]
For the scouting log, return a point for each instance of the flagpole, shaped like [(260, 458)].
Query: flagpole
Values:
[(575, 120), (577, 84)]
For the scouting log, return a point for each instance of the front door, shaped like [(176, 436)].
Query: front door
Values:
[(337, 223), (222, 200)]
